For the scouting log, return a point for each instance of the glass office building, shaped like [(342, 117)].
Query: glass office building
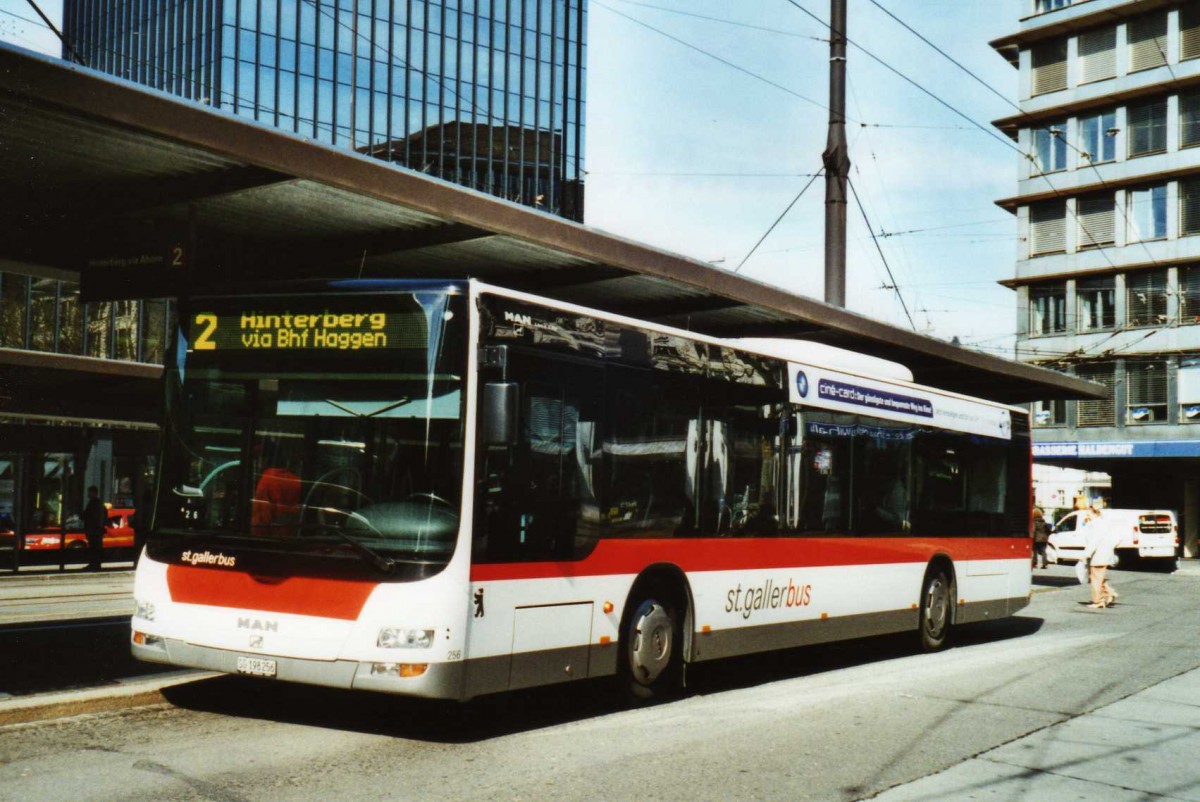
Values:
[(485, 93)]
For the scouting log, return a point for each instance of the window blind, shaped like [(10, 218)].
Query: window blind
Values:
[(1097, 221), (1048, 227), (1050, 67), (1146, 382), (1147, 42), (1189, 207), (1100, 412), (1189, 295), (1189, 32), (1146, 391), (1098, 54), (1146, 298)]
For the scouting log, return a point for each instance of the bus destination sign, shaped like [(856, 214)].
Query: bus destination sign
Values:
[(307, 331)]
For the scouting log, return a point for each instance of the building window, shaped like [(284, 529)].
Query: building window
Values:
[(1097, 221), (1189, 207), (43, 314), (1189, 295), (1050, 67), (1048, 309), (1048, 227), (1147, 124), (1099, 412), (1051, 147), (1050, 413), (14, 310), (1147, 213), (99, 330), (1098, 54), (1188, 386), (1146, 391), (70, 315), (1189, 120), (1098, 136), (1189, 31), (1095, 300), (1146, 298), (1147, 41), (1042, 6)]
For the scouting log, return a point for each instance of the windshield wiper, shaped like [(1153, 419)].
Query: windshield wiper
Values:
[(357, 414), (384, 564)]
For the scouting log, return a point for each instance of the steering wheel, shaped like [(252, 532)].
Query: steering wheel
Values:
[(354, 482)]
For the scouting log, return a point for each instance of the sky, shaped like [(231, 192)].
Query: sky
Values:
[(707, 118)]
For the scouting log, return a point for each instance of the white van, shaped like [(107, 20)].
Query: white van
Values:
[(1145, 534)]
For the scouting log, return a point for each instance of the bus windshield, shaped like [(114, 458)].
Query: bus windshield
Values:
[(318, 431)]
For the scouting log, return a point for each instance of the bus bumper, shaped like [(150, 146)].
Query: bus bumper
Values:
[(434, 680)]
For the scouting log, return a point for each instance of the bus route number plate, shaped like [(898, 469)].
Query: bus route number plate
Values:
[(256, 666)]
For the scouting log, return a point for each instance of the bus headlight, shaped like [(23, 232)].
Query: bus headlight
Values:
[(144, 610), (405, 638)]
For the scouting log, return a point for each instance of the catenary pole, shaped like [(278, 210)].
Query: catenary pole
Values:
[(837, 160)]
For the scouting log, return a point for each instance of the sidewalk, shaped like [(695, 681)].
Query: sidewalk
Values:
[(1142, 746)]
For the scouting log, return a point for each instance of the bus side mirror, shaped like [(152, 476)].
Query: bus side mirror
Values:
[(498, 426)]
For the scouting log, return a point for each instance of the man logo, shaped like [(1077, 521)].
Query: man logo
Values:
[(256, 641), (258, 624), (802, 384)]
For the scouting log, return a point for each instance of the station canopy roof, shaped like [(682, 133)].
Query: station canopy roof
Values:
[(133, 189)]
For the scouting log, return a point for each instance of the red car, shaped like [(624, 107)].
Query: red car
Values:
[(117, 534)]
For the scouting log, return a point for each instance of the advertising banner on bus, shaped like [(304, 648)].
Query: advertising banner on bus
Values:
[(827, 389)]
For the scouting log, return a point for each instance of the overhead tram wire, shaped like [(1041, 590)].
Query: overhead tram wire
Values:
[(713, 56), (1079, 152), (58, 33), (1006, 142), (943, 53), (888, 267), (887, 199), (724, 21), (778, 219)]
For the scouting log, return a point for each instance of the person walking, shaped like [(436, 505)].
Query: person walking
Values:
[(1100, 554), (95, 515), (1041, 536)]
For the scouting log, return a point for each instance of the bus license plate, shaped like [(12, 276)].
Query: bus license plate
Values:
[(256, 666)]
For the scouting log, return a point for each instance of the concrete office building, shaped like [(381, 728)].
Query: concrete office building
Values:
[(1108, 211), (485, 93)]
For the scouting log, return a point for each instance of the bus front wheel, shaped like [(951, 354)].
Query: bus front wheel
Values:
[(652, 640), (935, 609)]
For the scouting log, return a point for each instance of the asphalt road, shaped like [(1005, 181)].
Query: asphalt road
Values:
[(839, 722)]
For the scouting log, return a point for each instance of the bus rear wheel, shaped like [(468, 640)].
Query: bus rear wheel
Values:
[(935, 609), (651, 646)]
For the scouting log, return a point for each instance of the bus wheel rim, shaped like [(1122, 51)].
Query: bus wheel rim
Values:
[(651, 644), (936, 607)]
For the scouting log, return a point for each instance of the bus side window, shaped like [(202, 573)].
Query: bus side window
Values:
[(537, 498), (650, 448), (825, 464)]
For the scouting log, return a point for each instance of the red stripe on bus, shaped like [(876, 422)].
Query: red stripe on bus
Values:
[(745, 554), (325, 598)]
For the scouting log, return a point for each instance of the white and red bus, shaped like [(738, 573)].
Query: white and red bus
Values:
[(451, 489)]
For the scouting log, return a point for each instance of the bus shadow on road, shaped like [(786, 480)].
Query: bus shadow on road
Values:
[(524, 711)]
